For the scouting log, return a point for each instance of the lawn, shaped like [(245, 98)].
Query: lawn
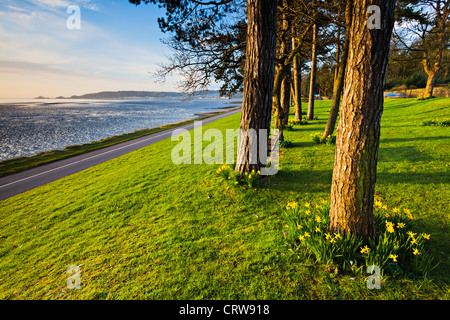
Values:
[(141, 227)]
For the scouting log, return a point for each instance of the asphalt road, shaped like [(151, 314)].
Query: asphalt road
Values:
[(26, 180)]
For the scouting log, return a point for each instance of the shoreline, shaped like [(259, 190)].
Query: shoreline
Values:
[(19, 164)]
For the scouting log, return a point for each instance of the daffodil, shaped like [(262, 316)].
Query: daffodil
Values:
[(411, 234), (378, 203), (328, 236), (400, 225), (408, 213), (307, 205), (306, 235), (393, 257), (366, 249), (318, 219), (395, 210), (389, 227), (337, 236), (426, 236), (416, 251), (301, 238), (317, 229), (292, 205), (308, 212)]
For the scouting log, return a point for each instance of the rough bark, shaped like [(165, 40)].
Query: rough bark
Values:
[(358, 133), (258, 79)]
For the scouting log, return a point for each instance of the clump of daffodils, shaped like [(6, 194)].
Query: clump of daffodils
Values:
[(250, 179), (395, 247)]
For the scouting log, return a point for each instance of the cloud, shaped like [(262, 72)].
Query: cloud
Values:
[(41, 56), (23, 67), (51, 3), (87, 4)]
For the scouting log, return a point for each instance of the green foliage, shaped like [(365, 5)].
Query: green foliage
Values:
[(436, 123), (317, 138), (395, 247), (286, 144), (227, 173)]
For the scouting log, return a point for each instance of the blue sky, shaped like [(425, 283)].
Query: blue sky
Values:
[(117, 48)]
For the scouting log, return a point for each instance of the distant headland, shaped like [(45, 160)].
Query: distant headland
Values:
[(213, 94)]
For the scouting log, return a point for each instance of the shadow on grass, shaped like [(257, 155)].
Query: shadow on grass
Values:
[(414, 139), (301, 180), (318, 181), (394, 154), (412, 178)]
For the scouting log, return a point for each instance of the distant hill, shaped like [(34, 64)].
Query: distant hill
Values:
[(107, 95)]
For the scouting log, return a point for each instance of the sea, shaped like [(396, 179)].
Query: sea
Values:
[(28, 127)]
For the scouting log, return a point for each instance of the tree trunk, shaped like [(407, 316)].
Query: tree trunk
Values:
[(358, 133), (286, 84), (312, 85), (339, 78), (296, 82), (278, 111), (431, 83), (432, 71), (286, 96), (258, 81)]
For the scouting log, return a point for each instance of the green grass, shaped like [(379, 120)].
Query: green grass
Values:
[(141, 227)]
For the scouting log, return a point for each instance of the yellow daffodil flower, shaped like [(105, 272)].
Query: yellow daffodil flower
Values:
[(366, 249), (393, 257), (400, 225)]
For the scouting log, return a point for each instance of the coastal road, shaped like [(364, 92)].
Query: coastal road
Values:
[(29, 179)]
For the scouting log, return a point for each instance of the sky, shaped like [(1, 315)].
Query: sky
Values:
[(117, 47)]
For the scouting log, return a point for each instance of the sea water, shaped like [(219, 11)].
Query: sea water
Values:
[(28, 127)]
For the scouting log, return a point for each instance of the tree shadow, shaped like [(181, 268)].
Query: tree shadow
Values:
[(319, 181), (412, 178), (396, 154), (301, 180), (414, 139)]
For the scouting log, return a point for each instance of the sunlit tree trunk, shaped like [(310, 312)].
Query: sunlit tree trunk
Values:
[(258, 79), (312, 83), (296, 85), (358, 133)]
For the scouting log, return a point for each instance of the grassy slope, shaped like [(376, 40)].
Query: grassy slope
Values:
[(142, 227)]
